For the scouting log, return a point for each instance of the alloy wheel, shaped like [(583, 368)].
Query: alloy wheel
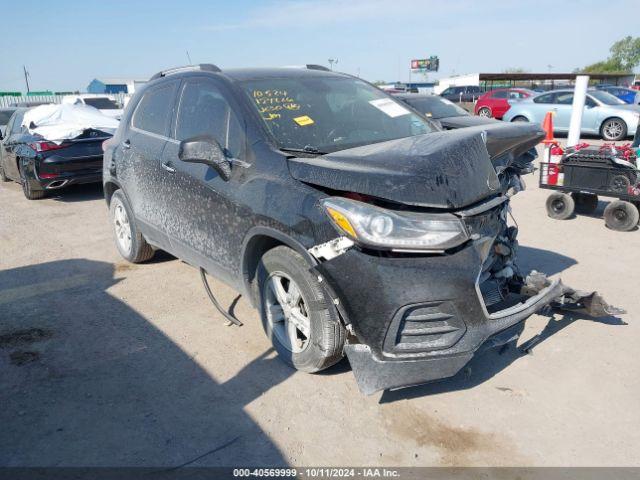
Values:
[(286, 312), (122, 227), (613, 129)]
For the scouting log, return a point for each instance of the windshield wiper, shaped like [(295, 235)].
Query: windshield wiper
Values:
[(306, 149)]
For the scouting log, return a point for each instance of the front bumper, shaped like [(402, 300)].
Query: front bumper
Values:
[(419, 318)]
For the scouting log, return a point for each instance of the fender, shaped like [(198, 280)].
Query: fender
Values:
[(247, 261)]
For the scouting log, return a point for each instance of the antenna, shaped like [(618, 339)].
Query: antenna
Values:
[(331, 62), (26, 77)]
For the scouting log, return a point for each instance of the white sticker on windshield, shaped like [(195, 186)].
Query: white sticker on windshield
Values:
[(389, 107)]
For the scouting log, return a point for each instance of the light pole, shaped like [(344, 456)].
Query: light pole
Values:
[(331, 62)]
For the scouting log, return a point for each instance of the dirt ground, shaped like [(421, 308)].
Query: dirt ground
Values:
[(104, 363)]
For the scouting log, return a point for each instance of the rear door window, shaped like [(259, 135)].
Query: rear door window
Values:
[(203, 110), (564, 98), (546, 98), (500, 94), (153, 113)]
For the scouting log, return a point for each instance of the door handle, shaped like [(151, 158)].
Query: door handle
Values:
[(126, 144), (167, 166)]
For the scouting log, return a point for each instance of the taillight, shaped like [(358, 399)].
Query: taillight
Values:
[(46, 146)]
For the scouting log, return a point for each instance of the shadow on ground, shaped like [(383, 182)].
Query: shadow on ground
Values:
[(78, 193), (87, 381)]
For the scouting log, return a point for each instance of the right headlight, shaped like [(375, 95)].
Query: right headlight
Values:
[(385, 229)]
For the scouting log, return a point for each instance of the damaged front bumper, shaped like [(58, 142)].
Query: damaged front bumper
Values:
[(423, 318)]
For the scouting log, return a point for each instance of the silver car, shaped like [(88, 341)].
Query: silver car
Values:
[(603, 115)]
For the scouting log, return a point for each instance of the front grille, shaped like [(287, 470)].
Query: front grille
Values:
[(425, 326)]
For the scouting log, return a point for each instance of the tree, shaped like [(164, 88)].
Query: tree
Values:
[(625, 56), (515, 70), (626, 52)]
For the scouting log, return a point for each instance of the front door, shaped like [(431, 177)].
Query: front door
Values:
[(201, 210)]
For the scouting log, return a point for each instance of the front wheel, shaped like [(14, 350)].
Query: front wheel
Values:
[(622, 216), (130, 242), (297, 315), (613, 129), (560, 206)]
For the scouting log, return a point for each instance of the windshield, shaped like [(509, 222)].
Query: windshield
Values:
[(327, 114), (102, 103), (606, 98), (436, 107)]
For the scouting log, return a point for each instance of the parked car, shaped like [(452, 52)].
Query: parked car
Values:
[(41, 166), (627, 95), (103, 103), (445, 113), (604, 114), (5, 115), (496, 102), (462, 94), (352, 223)]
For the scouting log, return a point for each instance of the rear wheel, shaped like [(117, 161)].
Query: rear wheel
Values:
[(622, 216), (613, 129), (519, 118), (560, 206), (130, 242), (29, 193), (586, 203), (3, 176), (297, 316), (484, 112)]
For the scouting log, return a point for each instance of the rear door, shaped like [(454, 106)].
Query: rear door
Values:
[(12, 132), (141, 149), (200, 207)]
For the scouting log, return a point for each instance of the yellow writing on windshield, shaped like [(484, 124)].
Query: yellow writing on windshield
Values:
[(269, 102)]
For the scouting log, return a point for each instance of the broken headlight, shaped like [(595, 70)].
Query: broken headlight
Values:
[(401, 231)]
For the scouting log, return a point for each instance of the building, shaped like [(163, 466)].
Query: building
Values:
[(546, 81), (114, 85)]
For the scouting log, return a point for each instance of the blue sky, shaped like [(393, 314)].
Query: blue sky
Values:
[(67, 43)]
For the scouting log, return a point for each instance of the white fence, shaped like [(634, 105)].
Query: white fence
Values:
[(12, 101)]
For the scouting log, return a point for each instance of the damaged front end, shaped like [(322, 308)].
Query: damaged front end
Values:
[(423, 289)]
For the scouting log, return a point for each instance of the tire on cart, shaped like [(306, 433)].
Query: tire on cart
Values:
[(621, 216), (586, 203), (560, 206)]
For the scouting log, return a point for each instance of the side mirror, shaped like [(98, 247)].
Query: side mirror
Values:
[(206, 149)]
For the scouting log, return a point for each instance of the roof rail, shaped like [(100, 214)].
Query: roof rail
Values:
[(205, 67), (311, 66)]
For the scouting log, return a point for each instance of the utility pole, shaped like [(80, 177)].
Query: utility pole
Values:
[(26, 77), (189, 58), (331, 62)]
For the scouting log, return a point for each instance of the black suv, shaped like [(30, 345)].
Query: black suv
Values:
[(462, 94), (351, 221)]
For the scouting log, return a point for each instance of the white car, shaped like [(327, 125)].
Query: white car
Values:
[(102, 102)]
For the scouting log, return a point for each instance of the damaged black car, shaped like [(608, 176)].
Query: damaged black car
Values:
[(353, 223)]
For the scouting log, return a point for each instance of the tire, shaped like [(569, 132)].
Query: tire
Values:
[(560, 206), (323, 344), (29, 193), (519, 118), (613, 129), (621, 216), (129, 241), (3, 176), (620, 184), (485, 112), (586, 203)]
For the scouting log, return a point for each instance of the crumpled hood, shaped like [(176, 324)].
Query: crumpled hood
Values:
[(450, 169)]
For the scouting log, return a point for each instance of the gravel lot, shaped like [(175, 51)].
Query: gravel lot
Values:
[(105, 363)]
